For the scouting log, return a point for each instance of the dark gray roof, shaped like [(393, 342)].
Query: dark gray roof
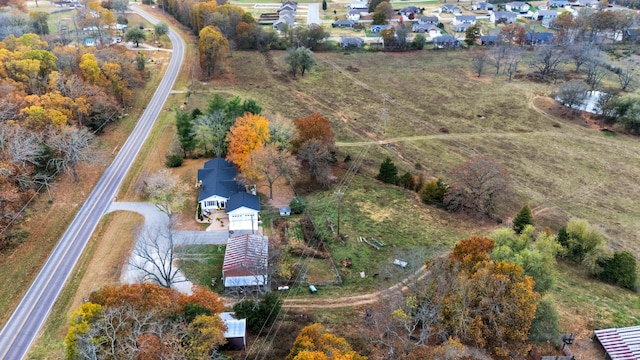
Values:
[(245, 199), (345, 22), (218, 177), (504, 14), (465, 18), (425, 19), (413, 9), (489, 38), (540, 37), (446, 38)]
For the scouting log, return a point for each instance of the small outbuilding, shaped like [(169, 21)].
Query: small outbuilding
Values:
[(236, 333), (285, 211), (619, 343)]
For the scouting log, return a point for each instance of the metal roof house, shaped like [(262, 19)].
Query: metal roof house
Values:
[(246, 261), (620, 344), (236, 333)]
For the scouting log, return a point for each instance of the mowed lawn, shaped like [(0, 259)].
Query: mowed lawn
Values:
[(561, 168)]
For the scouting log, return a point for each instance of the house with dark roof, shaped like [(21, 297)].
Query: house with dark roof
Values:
[(503, 17), (354, 14), (243, 209), (245, 262), (407, 11), (488, 40), (450, 9), (445, 41), (538, 38), (558, 3), (482, 5), (377, 28), (219, 190), (344, 24), (428, 20)]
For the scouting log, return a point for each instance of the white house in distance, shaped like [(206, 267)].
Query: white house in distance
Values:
[(219, 190), (246, 261)]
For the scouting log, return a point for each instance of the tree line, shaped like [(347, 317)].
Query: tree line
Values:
[(53, 99), (262, 147)]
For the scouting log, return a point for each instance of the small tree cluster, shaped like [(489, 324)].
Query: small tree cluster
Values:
[(584, 245), (620, 270), (299, 60), (259, 314)]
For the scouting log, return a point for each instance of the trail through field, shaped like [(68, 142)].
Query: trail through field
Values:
[(355, 300)]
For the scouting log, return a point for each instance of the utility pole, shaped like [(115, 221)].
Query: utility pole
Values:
[(383, 113), (339, 196)]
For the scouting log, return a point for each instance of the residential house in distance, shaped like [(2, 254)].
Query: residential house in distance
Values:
[(429, 30), (482, 5), (545, 16), (428, 20), (349, 24), (445, 41), (462, 22), (286, 15), (586, 3), (346, 42), (219, 191), (354, 14), (359, 5), (245, 262), (517, 7), (488, 40), (503, 17), (558, 3), (450, 9), (538, 38), (377, 28), (410, 12)]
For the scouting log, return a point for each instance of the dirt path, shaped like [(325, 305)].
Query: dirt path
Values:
[(355, 300)]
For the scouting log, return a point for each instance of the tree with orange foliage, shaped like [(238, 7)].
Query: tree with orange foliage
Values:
[(249, 133), (144, 321), (315, 343), (313, 127), (472, 251)]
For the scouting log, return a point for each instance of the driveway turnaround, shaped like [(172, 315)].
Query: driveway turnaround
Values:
[(24, 325)]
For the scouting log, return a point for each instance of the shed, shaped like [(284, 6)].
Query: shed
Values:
[(246, 261), (285, 211), (236, 333), (312, 289), (620, 343)]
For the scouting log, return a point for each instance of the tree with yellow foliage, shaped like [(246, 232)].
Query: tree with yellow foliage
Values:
[(249, 133), (315, 343), (213, 46)]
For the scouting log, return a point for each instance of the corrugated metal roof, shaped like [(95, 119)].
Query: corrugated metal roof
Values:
[(235, 327), (622, 343), (246, 252)]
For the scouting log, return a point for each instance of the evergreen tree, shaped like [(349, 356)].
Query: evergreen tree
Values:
[(184, 125), (388, 172), (620, 270), (324, 5), (522, 219)]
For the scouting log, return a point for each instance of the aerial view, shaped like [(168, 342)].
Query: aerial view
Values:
[(245, 179)]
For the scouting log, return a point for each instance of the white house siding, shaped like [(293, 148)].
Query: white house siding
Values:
[(243, 218), (213, 203)]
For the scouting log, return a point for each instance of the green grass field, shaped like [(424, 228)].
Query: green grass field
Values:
[(201, 263)]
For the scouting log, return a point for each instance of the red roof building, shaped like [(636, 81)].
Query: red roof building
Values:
[(246, 261), (620, 344)]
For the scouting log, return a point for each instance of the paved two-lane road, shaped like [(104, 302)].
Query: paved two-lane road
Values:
[(25, 323)]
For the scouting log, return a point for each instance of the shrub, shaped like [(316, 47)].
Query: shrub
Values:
[(433, 192), (388, 172), (200, 212), (297, 206), (347, 158), (545, 326), (522, 219), (407, 181), (173, 160), (620, 270)]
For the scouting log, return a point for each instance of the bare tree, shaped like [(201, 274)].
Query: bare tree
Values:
[(547, 60), (315, 158), (155, 257), (572, 94), (479, 60), (595, 72), (271, 164), (580, 52), (72, 145), (165, 193), (478, 186), (512, 60), (625, 76), (498, 55)]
